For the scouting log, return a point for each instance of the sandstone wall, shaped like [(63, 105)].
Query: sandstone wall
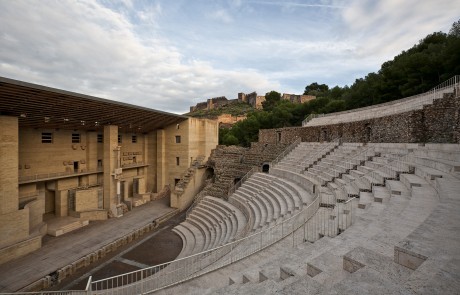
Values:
[(86, 200)]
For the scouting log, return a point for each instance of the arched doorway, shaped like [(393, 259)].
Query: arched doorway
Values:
[(208, 173), (265, 168), (368, 133)]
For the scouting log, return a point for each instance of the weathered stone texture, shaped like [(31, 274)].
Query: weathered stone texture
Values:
[(231, 163), (437, 123)]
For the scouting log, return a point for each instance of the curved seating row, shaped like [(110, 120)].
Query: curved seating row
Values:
[(212, 223), (379, 110), (399, 220), (263, 200)]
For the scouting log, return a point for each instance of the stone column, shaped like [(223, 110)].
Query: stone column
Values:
[(9, 159), (161, 159), (109, 165), (151, 159), (91, 150)]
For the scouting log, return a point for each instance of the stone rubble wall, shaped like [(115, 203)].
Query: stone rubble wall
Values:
[(436, 123), (233, 162)]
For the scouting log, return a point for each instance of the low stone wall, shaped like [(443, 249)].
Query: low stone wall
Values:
[(299, 179), (437, 123), (94, 256), (20, 249)]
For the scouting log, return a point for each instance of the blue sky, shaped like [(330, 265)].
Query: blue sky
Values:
[(170, 54)]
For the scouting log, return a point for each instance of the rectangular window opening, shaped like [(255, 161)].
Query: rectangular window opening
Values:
[(177, 138), (75, 137), (134, 139), (47, 137), (100, 138), (177, 161)]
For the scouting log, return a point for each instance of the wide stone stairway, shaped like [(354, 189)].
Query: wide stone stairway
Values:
[(387, 222)]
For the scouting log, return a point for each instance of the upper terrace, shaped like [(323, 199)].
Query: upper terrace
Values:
[(411, 103)]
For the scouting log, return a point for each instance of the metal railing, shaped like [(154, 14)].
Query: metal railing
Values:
[(286, 151), (311, 117), (240, 182), (133, 165), (167, 274), (386, 109), (312, 226), (308, 224), (234, 187), (196, 200), (67, 292), (27, 178)]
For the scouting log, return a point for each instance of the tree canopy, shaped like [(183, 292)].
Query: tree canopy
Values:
[(433, 60)]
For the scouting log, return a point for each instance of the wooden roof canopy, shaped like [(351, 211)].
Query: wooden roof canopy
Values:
[(43, 107)]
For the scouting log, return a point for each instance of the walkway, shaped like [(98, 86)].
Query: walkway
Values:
[(57, 252)]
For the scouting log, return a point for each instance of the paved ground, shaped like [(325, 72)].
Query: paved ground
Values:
[(57, 252), (159, 246)]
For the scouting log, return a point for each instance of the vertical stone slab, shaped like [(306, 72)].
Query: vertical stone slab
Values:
[(161, 159), (151, 159), (109, 165), (9, 153), (91, 151), (145, 158)]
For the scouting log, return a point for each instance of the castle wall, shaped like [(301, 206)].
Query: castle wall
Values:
[(227, 119)]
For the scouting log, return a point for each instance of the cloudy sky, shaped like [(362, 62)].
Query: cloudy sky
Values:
[(170, 54)]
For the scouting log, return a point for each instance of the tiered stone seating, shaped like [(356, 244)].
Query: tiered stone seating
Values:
[(212, 223), (302, 156), (263, 200), (404, 238), (381, 110)]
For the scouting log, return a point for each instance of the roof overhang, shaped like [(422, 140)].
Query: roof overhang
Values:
[(43, 107)]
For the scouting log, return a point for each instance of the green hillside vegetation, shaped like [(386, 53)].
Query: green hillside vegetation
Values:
[(234, 109), (433, 60)]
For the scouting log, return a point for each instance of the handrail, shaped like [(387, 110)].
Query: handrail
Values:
[(336, 141), (253, 170), (188, 267), (198, 197), (240, 182), (55, 174), (170, 273), (286, 151), (417, 101)]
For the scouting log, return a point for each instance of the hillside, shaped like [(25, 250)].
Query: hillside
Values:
[(433, 60), (234, 109)]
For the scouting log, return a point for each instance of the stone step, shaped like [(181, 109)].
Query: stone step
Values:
[(362, 257)]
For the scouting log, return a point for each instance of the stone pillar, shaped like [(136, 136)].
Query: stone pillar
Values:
[(161, 159), (9, 159), (151, 159), (109, 165), (61, 203), (145, 152), (91, 151)]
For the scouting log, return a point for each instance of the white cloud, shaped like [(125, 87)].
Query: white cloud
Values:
[(385, 28), (222, 15), (168, 55), (87, 48)]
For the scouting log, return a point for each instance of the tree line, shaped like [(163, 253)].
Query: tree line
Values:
[(433, 60)]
